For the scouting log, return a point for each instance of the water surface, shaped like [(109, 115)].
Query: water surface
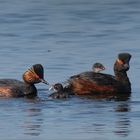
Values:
[(67, 37)]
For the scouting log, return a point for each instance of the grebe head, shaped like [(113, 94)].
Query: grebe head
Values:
[(125, 57), (98, 67), (34, 75), (56, 87), (122, 63)]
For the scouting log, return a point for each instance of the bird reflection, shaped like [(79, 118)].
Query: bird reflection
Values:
[(108, 97), (123, 123), (33, 122), (120, 124)]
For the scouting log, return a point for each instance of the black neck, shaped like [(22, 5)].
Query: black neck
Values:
[(122, 77), (30, 90)]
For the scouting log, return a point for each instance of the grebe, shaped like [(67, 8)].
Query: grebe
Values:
[(60, 92), (16, 88), (64, 92), (91, 83), (98, 67)]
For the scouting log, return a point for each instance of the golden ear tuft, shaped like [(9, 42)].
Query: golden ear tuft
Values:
[(30, 77)]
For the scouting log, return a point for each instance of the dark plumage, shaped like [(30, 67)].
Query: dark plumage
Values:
[(91, 83), (60, 92), (16, 88)]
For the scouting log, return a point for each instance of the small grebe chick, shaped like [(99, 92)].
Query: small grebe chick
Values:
[(59, 93), (98, 67)]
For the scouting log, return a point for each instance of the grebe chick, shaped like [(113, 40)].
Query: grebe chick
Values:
[(59, 93), (16, 88), (98, 67)]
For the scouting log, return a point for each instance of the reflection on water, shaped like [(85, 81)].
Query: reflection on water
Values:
[(121, 126), (99, 128), (123, 122), (33, 122), (109, 97), (80, 117), (123, 107)]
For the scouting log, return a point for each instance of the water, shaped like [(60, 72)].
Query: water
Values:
[(67, 37)]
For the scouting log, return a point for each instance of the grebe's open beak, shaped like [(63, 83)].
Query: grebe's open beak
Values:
[(44, 81), (51, 88)]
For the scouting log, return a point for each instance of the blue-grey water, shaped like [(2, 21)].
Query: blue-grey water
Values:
[(67, 37)]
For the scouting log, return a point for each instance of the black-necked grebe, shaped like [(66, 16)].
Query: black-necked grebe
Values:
[(91, 83), (16, 88), (63, 92)]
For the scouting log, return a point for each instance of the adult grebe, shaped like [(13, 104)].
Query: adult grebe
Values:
[(91, 83), (16, 88), (64, 92)]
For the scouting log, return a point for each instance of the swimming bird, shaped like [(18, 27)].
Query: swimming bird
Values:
[(92, 83), (16, 88), (63, 92), (60, 92)]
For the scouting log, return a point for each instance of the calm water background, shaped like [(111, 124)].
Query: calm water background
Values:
[(67, 37)]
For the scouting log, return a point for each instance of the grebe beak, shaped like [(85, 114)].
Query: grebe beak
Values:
[(44, 81), (104, 68), (41, 80), (51, 88)]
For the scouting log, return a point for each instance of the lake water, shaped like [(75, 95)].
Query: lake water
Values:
[(67, 37)]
